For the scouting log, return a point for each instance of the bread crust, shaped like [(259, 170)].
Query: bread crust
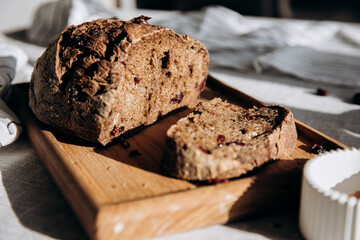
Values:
[(194, 163), (102, 78)]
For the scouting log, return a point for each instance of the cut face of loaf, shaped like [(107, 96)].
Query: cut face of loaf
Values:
[(219, 140), (105, 77)]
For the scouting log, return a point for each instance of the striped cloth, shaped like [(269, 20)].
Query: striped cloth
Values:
[(12, 62), (307, 63), (323, 51), (326, 52), (53, 17)]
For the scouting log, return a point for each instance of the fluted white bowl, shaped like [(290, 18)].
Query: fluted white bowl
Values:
[(327, 211)]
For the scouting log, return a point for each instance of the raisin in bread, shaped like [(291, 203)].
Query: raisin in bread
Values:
[(102, 78), (219, 140)]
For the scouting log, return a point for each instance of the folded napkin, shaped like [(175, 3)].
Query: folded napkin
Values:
[(12, 65)]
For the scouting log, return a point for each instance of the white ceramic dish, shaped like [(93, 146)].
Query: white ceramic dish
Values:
[(327, 211)]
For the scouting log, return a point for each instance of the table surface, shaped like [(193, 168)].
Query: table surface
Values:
[(31, 206)]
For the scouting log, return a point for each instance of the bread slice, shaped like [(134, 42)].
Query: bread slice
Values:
[(105, 77), (219, 140)]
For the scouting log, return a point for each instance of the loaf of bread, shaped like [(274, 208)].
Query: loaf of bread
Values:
[(102, 78), (219, 140)]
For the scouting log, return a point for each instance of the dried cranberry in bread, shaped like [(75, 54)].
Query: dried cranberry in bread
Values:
[(105, 77), (219, 140)]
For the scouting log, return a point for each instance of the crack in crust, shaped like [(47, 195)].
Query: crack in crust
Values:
[(87, 55)]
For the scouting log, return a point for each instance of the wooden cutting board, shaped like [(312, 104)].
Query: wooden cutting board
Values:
[(120, 193)]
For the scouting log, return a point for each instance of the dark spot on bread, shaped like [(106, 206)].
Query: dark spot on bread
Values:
[(249, 116), (178, 98), (137, 80), (204, 150), (117, 130), (191, 70), (165, 60), (66, 37), (220, 138), (78, 41), (202, 84)]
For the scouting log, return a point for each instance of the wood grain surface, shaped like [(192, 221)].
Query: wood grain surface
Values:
[(120, 193)]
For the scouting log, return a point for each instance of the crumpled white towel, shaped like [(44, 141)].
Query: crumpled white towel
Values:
[(13, 62)]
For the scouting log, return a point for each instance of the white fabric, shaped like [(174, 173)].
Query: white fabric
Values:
[(53, 17), (319, 51), (350, 34), (9, 125), (307, 63), (32, 52), (9, 48), (10, 128)]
